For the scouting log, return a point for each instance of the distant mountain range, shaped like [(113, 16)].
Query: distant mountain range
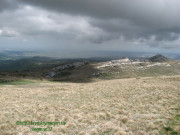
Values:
[(84, 69), (14, 55), (11, 55)]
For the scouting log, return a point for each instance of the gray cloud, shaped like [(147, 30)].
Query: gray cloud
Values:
[(154, 13), (8, 34), (6, 5), (124, 17), (153, 23)]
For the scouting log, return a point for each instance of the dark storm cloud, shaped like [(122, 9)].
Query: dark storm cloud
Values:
[(131, 19), (154, 13), (8, 5), (144, 22)]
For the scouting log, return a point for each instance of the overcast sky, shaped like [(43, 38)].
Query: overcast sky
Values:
[(90, 25)]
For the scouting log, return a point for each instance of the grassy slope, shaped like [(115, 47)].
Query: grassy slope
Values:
[(84, 73), (129, 71), (147, 105)]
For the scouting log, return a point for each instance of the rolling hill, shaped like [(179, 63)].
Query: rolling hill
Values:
[(68, 69)]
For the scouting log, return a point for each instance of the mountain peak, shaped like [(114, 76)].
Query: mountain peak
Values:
[(158, 58)]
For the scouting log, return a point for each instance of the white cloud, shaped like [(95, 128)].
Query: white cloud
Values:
[(8, 33)]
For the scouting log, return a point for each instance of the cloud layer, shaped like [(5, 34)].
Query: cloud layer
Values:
[(154, 23)]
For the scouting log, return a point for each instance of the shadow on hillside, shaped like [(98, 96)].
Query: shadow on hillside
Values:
[(83, 74)]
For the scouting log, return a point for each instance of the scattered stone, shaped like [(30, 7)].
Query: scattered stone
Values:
[(120, 62), (96, 75)]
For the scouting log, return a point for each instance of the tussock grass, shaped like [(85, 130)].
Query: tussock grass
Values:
[(113, 107)]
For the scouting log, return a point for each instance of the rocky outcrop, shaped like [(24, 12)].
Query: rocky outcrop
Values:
[(124, 60), (120, 62), (57, 70), (71, 65), (96, 75)]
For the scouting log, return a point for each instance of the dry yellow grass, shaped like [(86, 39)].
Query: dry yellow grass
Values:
[(114, 107)]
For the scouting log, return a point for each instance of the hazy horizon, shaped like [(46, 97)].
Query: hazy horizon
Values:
[(85, 54)]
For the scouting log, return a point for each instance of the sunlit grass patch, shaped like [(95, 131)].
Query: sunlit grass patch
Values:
[(19, 82)]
